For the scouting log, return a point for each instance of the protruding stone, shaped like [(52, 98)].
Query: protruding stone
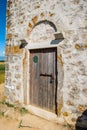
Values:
[(35, 19), (30, 25)]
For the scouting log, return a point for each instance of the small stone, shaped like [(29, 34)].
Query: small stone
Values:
[(18, 87), (17, 76), (65, 114), (77, 46), (70, 103)]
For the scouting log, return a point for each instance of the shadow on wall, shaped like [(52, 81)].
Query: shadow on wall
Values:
[(81, 123)]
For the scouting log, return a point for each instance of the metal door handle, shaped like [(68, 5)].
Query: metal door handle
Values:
[(51, 80), (49, 75)]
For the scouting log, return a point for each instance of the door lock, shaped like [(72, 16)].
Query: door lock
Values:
[(51, 80)]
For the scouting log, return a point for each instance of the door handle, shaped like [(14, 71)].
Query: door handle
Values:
[(51, 80), (48, 75)]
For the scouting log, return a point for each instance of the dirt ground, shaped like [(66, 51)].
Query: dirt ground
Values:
[(13, 120), (29, 122), (1, 91)]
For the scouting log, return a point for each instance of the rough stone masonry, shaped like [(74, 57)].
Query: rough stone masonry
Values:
[(26, 20)]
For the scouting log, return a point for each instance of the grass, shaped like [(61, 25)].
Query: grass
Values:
[(2, 67), (9, 105), (23, 111), (1, 62), (6, 103), (2, 72), (2, 77), (2, 114)]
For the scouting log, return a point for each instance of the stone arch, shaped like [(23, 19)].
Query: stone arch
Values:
[(42, 30), (48, 22), (53, 18)]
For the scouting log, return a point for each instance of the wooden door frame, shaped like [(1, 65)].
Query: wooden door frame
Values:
[(45, 47), (60, 75)]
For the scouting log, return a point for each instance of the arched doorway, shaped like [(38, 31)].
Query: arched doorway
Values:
[(43, 67)]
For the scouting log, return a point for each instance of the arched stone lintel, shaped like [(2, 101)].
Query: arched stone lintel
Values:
[(42, 17)]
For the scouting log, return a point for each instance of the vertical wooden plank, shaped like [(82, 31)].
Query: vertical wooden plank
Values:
[(50, 85), (31, 79), (46, 78), (40, 98), (55, 78), (54, 65)]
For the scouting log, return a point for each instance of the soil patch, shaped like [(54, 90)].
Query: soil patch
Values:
[(17, 118)]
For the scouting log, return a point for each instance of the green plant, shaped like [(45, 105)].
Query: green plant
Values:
[(64, 125), (2, 67), (6, 103), (9, 105), (2, 72), (20, 124), (2, 77), (2, 114), (23, 110), (2, 102)]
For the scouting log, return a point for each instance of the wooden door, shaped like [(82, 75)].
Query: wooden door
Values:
[(43, 78)]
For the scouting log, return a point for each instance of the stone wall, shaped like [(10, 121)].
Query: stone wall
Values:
[(70, 18), (13, 72)]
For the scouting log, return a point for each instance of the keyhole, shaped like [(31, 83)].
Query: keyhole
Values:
[(51, 80)]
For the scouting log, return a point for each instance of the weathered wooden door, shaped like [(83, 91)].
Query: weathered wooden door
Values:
[(43, 78)]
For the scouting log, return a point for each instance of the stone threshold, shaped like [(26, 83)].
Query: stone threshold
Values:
[(42, 113)]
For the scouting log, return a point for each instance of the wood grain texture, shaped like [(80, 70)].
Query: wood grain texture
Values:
[(43, 78)]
